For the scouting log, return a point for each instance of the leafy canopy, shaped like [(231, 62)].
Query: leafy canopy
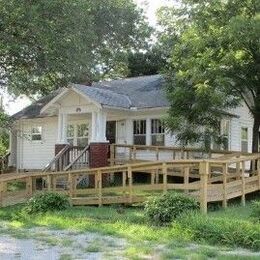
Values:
[(214, 64), (45, 44)]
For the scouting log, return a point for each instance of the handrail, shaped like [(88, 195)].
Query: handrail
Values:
[(175, 148), (77, 158), (228, 183), (56, 158)]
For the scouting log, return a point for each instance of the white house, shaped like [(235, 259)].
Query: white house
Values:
[(126, 111)]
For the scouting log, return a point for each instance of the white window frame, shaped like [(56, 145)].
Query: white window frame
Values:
[(244, 140), (40, 133), (75, 136), (143, 134), (222, 131), (157, 131)]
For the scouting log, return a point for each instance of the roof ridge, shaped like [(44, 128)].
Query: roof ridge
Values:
[(108, 90)]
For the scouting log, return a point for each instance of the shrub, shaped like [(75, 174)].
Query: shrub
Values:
[(255, 210), (163, 209), (214, 230), (49, 201)]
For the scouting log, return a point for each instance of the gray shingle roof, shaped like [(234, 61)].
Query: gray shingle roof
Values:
[(104, 96), (144, 92), (138, 92), (34, 110)]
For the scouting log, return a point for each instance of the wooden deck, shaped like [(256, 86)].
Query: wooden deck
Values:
[(208, 180)]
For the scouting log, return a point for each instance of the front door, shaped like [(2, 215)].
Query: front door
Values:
[(78, 134), (111, 132)]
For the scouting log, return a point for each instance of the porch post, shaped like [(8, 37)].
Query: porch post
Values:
[(99, 146), (62, 132), (64, 128)]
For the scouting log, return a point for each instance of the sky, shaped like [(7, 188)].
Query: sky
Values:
[(150, 6)]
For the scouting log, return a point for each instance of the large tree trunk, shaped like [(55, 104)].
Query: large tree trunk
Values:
[(255, 143)]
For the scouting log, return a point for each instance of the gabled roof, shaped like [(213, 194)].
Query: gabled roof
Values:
[(34, 110), (138, 92), (144, 92), (104, 96)]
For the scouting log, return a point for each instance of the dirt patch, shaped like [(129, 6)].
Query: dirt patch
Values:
[(61, 245)]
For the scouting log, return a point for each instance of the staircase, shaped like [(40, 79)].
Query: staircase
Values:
[(69, 158)]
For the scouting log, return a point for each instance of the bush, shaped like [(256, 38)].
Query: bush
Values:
[(255, 210), (224, 231), (49, 201), (163, 209)]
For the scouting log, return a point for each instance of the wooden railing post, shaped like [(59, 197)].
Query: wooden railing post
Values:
[(49, 182), (99, 188), (204, 173), (238, 171), (243, 197), (164, 171), (130, 183), (152, 177), (186, 178), (29, 186), (124, 182), (225, 172), (71, 186)]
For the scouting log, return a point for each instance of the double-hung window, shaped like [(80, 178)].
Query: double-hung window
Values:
[(244, 139), (225, 132), (36, 133), (139, 132), (157, 132)]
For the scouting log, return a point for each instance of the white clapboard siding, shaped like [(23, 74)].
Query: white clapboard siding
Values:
[(37, 154), (244, 119)]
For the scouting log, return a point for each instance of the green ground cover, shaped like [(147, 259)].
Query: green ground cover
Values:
[(192, 236)]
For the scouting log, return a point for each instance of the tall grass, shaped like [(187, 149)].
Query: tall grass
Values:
[(221, 230)]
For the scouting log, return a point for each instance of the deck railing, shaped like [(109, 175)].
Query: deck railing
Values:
[(123, 153), (207, 180)]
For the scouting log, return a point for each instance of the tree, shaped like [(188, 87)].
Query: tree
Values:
[(147, 62), (214, 65), (5, 123), (45, 44)]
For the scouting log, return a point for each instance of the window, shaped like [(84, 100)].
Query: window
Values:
[(224, 133), (78, 134), (157, 132), (139, 132), (70, 134), (36, 133), (225, 130), (244, 139), (82, 135)]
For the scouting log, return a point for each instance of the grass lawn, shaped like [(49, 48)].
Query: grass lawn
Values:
[(189, 238)]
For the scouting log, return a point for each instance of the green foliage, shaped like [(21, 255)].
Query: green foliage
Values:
[(146, 63), (214, 65), (226, 231), (163, 209), (255, 210), (44, 202), (5, 123), (45, 44)]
